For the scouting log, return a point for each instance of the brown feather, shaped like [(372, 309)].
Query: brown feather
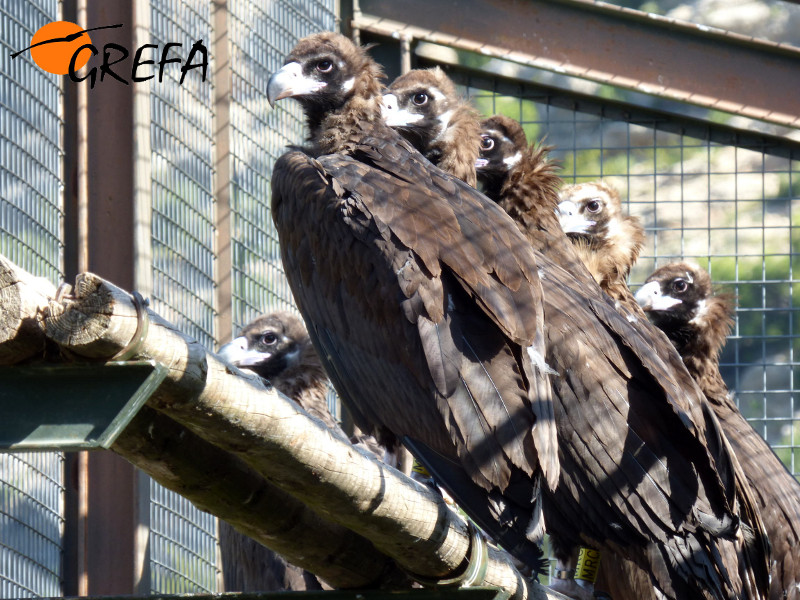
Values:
[(610, 248), (338, 130), (248, 566), (412, 281)]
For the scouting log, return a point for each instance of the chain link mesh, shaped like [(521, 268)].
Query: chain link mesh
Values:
[(183, 550), (31, 484)]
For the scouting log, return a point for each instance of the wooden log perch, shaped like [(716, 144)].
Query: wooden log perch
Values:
[(23, 299), (240, 414), (214, 480), (220, 483)]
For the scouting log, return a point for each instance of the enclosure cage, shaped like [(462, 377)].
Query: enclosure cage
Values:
[(708, 187)]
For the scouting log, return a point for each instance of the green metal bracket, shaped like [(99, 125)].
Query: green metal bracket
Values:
[(72, 407)]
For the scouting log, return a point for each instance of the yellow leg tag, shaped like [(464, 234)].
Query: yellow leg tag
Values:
[(588, 564)]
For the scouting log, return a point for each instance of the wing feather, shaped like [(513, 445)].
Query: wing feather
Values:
[(433, 309)]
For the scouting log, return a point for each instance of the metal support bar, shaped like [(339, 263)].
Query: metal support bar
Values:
[(222, 168), (611, 45)]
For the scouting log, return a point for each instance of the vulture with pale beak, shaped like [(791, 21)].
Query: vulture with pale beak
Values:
[(424, 107), (427, 306), (607, 240), (679, 299), (522, 180), (276, 347)]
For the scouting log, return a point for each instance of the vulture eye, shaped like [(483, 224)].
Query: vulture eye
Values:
[(593, 206), (269, 338), (420, 98), (680, 286), (487, 143), (325, 66)]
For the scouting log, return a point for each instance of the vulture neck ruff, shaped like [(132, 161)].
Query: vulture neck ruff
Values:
[(700, 340), (343, 127), (529, 193), (341, 130)]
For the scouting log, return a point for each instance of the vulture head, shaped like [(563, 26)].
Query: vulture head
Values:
[(425, 108), (277, 347), (502, 143), (519, 177), (591, 213), (269, 345), (679, 300), (675, 292), (326, 72)]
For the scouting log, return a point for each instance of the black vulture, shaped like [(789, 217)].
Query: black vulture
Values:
[(424, 107), (680, 301), (426, 304), (523, 181), (607, 240)]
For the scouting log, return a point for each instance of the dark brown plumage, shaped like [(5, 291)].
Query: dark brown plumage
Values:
[(606, 240), (278, 348), (404, 293), (679, 300), (652, 385), (414, 283), (425, 108)]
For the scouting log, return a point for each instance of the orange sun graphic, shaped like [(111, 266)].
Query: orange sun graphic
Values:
[(55, 56)]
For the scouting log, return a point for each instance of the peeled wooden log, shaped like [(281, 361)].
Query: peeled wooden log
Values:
[(219, 483), (214, 480), (23, 299), (405, 520)]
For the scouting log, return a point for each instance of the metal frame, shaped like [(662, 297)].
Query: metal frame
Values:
[(59, 413), (610, 45)]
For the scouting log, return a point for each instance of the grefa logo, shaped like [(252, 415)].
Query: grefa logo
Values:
[(62, 48)]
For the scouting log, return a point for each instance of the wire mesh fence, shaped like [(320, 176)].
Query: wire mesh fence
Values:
[(183, 545), (30, 145), (182, 167), (183, 550), (261, 36), (31, 484), (31, 524), (734, 211)]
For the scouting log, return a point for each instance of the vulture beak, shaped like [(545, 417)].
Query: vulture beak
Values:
[(571, 219), (389, 106), (289, 81), (649, 297), (480, 163), (237, 353), (393, 115)]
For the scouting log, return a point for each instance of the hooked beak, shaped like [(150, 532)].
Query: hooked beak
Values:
[(389, 106), (571, 219), (649, 297), (289, 81), (237, 354), (393, 115)]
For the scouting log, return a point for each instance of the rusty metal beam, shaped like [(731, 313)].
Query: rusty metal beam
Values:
[(611, 45)]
